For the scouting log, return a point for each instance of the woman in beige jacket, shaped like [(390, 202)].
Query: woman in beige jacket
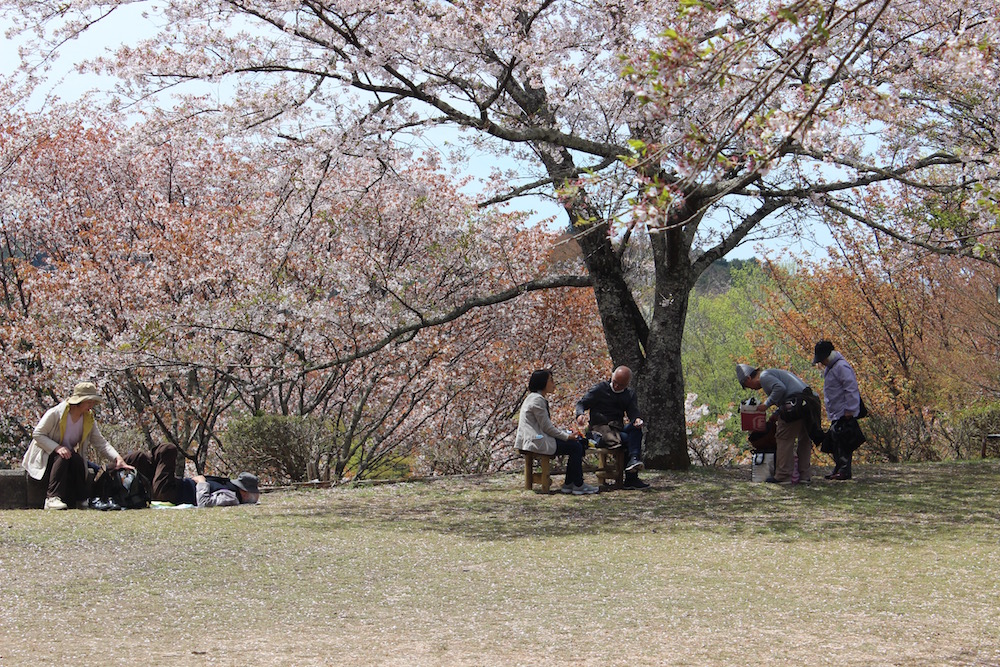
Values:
[(537, 433), (61, 444)]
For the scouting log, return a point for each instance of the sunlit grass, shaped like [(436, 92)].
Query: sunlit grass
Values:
[(897, 567)]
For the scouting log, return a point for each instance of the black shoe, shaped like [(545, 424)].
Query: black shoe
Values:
[(635, 485), (98, 504), (634, 465), (771, 480), (111, 505)]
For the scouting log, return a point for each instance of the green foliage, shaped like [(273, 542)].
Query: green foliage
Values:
[(279, 447), (723, 308), (965, 432), (285, 448)]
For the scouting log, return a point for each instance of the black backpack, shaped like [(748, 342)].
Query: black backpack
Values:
[(129, 488)]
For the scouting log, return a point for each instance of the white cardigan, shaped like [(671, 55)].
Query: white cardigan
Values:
[(535, 421)]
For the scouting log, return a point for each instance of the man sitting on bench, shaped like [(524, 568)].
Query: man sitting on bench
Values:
[(609, 403)]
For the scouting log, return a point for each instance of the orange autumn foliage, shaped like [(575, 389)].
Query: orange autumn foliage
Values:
[(921, 330)]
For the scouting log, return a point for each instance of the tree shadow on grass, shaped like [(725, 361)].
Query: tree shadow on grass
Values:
[(888, 503)]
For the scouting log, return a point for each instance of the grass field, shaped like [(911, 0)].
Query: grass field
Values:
[(899, 567)]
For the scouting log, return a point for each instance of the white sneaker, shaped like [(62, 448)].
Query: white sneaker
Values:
[(584, 490), (54, 503)]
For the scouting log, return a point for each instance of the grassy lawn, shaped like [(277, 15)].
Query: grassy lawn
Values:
[(899, 567)]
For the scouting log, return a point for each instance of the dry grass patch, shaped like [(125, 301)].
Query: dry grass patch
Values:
[(897, 568)]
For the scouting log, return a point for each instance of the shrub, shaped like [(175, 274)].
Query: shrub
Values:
[(283, 448)]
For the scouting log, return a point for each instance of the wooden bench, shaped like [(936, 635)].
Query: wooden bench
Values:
[(611, 468), (542, 477)]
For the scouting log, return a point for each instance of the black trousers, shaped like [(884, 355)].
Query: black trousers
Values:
[(574, 465), (842, 457), (846, 437), (67, 478)]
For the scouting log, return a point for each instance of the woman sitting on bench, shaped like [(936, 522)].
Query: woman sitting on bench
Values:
[(536, 433)]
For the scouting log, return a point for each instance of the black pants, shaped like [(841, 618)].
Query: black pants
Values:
[(842, 460), (846, 437), (67, 478), (574, 465)]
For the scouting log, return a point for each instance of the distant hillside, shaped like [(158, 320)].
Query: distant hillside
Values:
[(718, 277)]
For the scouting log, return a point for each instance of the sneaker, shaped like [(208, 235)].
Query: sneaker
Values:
[(634, 465), (584, 490), (55, 503), (566, 488), (635, 485)]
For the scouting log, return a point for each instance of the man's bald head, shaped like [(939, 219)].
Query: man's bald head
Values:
[(620, 379)]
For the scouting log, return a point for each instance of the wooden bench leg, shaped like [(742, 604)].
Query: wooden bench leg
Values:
[(542, 477), (611, 468), (620, 467), (529, 465)]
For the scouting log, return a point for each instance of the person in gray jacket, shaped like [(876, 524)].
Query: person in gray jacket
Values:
[(537, 433), (798, 409)]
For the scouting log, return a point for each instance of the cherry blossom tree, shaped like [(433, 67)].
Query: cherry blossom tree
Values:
[(734, 121), (201, 281)]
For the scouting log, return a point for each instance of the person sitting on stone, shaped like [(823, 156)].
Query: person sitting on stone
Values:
[(60, 444)]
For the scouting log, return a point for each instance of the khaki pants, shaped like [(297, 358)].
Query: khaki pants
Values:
[(792, 439)]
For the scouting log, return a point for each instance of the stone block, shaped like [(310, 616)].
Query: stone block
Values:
[(14, 489)]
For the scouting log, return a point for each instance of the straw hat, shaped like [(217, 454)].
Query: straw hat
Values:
[(85, 391)]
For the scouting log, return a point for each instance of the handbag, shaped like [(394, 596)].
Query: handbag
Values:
[(847, 434), (792, 409)]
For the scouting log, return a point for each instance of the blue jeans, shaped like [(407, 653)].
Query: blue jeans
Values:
[(574, 466), (632, 439)]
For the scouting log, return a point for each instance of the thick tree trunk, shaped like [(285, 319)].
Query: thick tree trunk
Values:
[(653, 350), (661, 379), (660, 385)]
